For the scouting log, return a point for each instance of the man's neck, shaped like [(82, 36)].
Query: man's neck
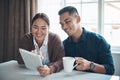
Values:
[(77, 34)]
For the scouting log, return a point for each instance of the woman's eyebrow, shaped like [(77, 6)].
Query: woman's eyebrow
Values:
[(35, 25)]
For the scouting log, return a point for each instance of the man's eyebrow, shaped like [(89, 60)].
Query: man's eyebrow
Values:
[(66, 19)]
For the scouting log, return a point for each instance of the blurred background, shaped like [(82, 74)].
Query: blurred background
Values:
[(99, 16)]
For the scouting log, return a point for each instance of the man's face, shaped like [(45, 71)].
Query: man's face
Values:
[(39, 29), (69, 23)]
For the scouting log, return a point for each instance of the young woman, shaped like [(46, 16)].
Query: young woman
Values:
[(45, 43)]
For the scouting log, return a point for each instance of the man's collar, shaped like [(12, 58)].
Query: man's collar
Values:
[(82, 37)]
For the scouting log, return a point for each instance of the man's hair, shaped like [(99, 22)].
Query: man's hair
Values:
[(70, 9), (42, 16)]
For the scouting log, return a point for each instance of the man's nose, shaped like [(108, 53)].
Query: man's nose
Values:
[(64, 26)]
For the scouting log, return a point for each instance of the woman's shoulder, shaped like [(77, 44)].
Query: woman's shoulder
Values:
[(27, 36), (53, 36)]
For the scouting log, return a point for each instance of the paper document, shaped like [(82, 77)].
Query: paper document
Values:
[(31, 60)]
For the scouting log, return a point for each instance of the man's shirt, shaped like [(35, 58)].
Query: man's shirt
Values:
[(92, 47)]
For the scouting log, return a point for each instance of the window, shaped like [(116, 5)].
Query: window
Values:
[(88, 11), (51, 8), (100, 16), (112, 22)]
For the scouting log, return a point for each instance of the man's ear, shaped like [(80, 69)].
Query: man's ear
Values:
[(48, 27), (78, 19)]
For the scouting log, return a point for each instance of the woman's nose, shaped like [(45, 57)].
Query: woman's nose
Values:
[(39, 30)]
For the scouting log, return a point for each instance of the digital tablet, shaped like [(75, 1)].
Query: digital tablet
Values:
[(31, 60)]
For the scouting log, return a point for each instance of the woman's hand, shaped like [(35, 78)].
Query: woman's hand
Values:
[(44, 70), (38, 53)]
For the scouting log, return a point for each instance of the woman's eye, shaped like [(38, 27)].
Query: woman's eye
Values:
[(35, 27), (43, 28)]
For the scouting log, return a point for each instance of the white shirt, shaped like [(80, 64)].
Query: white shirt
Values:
[(43, 49)]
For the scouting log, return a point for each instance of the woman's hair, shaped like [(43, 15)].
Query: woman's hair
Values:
[(42, 16)]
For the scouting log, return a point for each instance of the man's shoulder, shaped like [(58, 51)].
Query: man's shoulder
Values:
[(66, 41), (94, 35)]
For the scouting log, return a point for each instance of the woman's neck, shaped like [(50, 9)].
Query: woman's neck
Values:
[(39, 43)]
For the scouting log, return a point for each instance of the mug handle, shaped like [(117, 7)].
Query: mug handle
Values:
[(75, 66)]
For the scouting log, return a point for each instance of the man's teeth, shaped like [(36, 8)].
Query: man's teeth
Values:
[(67, 30)]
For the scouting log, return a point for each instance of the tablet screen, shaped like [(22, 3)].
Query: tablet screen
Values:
[(31, 60)]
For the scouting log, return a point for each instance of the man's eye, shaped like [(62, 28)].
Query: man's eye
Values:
[(67, 22)]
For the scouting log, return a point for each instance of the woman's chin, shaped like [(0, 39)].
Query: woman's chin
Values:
[(39, 39)]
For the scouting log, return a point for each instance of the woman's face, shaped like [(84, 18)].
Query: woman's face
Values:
[(39, 29)]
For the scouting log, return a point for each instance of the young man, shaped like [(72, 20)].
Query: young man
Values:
[(91, 51)]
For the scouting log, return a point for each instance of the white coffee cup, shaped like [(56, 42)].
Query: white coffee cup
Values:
[(68, 64)]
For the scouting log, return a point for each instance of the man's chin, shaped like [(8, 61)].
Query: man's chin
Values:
[(69, 34)]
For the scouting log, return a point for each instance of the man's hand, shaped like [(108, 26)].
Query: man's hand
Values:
[(83, 64)]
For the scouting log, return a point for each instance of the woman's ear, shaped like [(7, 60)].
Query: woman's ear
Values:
[(78, 19)]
